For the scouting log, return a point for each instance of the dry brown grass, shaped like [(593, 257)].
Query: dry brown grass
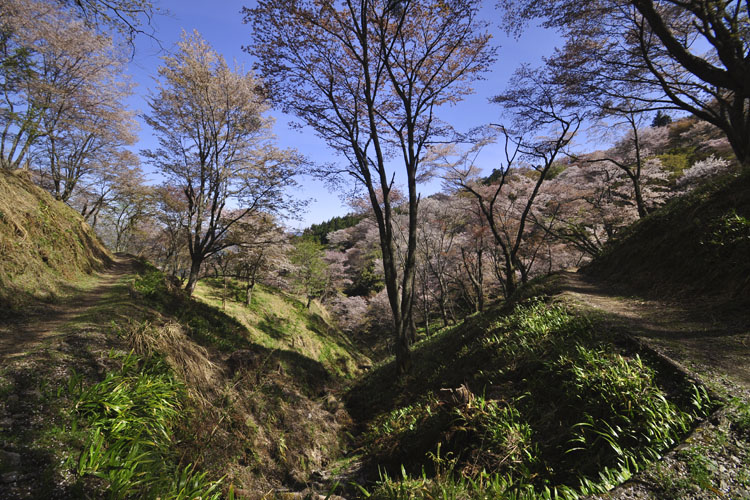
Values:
[(190, 361), (45, 244)]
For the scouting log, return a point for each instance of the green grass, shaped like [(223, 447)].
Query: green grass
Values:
[(560, 409), (273, 421), (277, 320), (131, 418)]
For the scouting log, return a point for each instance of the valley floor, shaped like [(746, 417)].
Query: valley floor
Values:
[(711, 343)]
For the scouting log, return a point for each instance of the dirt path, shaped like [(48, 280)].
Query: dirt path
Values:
[(700, 335), (37, 355), (33, 331), (710, 340)]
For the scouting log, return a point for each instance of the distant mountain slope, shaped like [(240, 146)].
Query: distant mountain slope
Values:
[(696, 244), (44, 244)]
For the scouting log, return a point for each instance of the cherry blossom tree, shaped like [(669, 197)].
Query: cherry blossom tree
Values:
[(369, 76), (215, 146)]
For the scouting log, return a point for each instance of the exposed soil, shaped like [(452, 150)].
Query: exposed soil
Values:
[(708, 338), (18, 338)]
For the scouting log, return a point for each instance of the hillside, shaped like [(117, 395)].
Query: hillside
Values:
[(46, 246), (585, 383), (278, 320), (128, 388), (698, 244)]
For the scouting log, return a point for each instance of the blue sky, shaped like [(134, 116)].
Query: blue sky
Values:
[(220, 23)]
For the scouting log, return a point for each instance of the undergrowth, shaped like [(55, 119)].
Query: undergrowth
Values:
[(560, 411), (131, 418), (262, 416), (277, 320)]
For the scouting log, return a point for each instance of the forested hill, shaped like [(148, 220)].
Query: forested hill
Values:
[(254, 387), (555, 323)]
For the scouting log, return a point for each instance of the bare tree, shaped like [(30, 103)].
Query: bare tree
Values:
[(539, 110), (367, 76), (128, 18), (63, 91), (214, 145), (688, 55)]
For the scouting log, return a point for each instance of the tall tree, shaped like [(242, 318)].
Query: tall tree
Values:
[(367, 76), (544, 126), (259, 245), (690, 55), (214, 145), (59, 79)]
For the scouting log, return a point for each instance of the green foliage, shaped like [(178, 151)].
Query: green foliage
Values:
[(563, 411), (368, 280), (739, 415), (675, 163), (729, 230), (132, 415), (312, 276), (151, 283), (319, 232), (506, 439), (661, 119), (626, 417)]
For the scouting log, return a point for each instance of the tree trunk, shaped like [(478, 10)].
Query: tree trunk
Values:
[(510, 281), (443, 309), (412, 330), (195, 269), (640, 204), (426, 309), (224, 295)]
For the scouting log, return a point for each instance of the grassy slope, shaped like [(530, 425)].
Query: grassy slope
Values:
[(547, 381), (44, 244), (265, 425), (697, 244), (276, 420), (276, 320), (544, 373)]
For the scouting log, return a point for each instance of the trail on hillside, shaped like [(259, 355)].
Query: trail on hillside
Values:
[(705, 337), (711, 341), (32, 331)]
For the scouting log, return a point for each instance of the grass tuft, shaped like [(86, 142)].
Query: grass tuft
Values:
[(131, 416)]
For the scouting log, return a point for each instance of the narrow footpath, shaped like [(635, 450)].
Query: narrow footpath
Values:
[(711, 342)]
